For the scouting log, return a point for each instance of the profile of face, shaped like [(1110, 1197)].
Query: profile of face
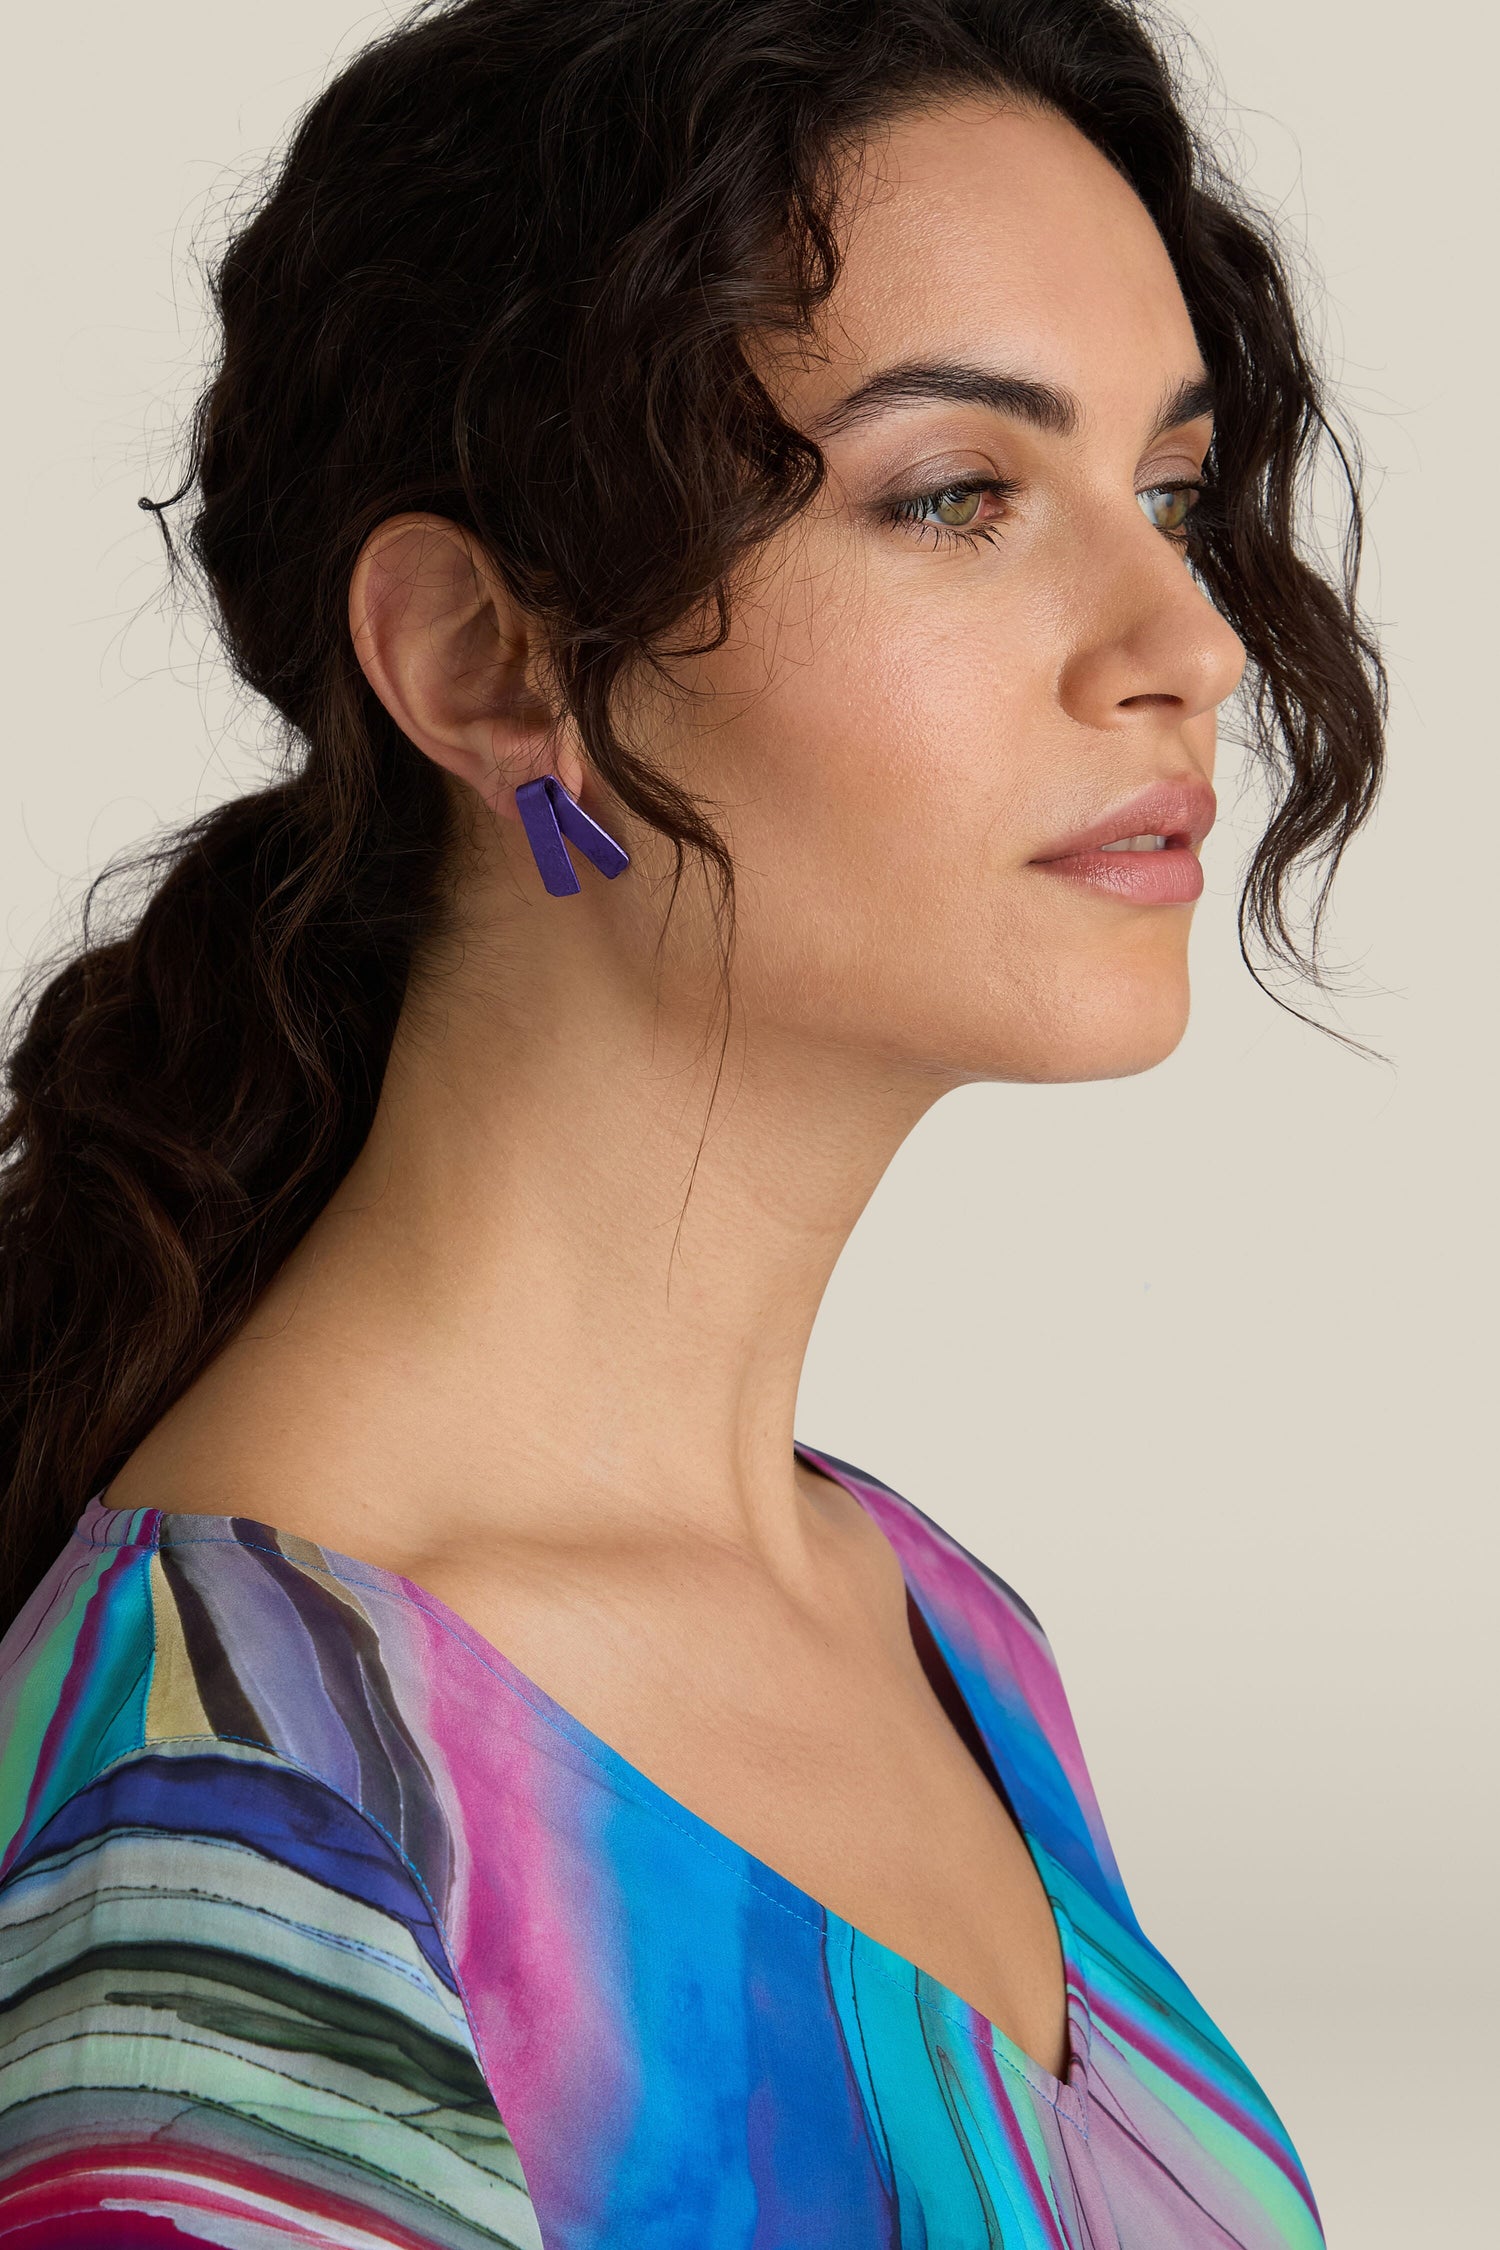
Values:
[(960, 741)]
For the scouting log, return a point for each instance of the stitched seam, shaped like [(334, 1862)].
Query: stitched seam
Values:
[(623, 1782)]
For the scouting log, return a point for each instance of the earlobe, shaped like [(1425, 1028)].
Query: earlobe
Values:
[(448, 652)]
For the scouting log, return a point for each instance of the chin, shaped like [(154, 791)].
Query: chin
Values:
[(1103, 1027)]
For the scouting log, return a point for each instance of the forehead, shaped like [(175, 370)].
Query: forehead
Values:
[(983, 232)]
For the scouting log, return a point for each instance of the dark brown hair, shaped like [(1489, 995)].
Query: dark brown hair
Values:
[(505, 271)]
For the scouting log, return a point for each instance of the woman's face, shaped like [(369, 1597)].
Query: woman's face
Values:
[(981, 654)]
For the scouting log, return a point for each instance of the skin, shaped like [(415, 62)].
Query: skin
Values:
[(514, 1358)]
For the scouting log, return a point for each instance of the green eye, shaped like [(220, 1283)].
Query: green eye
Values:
[(957, 508), (1168, 506), (950, 515)]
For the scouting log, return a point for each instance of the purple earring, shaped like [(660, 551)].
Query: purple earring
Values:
[(548, 813)]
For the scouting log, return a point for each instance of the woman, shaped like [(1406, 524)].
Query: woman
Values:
[(748, 513)]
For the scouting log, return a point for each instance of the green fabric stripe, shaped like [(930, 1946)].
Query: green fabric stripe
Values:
[(319, 2019), (109, 1720), (485, 2188)]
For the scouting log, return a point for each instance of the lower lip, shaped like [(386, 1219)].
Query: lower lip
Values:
[(1173, 877)]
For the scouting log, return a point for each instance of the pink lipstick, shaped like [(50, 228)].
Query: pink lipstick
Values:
[(1145, 851)]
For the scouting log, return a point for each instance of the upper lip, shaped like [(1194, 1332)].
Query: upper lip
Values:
[(1181, 809)]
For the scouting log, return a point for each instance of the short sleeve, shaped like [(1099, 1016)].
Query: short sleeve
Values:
[(227, 2016)]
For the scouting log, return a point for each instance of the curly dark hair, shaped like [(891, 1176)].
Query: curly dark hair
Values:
[(515, 249)]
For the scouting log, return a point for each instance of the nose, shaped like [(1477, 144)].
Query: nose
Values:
[(1151, 641)]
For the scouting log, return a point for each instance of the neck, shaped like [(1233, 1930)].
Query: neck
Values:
[(545, 1302)]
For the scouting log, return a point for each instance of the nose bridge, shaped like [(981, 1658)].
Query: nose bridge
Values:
[(1144, 628)]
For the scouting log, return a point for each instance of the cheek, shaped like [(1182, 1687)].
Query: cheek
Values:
[(874, 715), (885, 775)]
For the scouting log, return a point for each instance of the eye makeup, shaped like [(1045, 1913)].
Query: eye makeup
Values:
[(956, 495)]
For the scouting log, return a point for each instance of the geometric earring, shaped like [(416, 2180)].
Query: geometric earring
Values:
[(548, 813)]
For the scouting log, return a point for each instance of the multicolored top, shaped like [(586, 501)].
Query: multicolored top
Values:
[(321, 1924)]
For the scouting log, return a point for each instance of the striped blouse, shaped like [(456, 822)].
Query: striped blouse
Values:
[(321, 1924)]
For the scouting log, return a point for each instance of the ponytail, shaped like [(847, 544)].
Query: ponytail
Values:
[(183, 1100)]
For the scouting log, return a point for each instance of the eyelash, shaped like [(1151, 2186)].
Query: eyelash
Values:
[(945, 535), (1005, 488)]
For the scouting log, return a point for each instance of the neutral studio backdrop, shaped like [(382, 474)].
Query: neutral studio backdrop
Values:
[(1202, 1361)]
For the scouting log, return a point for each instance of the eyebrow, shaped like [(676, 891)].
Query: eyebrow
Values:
[(1187, 401), (1043, 405)]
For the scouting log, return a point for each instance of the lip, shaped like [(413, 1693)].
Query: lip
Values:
[(1181, 810)]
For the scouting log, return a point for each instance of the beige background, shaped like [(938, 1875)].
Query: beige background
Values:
[(1199, 1361)]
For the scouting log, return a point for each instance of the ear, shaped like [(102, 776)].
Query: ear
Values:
[(455, 660)]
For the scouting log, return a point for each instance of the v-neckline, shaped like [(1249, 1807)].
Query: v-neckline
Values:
[(1065, 2095)]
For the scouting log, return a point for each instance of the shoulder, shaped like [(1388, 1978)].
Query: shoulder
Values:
[(971, 1596), (1008, 1674), (225, 1989), (222, 1633)]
